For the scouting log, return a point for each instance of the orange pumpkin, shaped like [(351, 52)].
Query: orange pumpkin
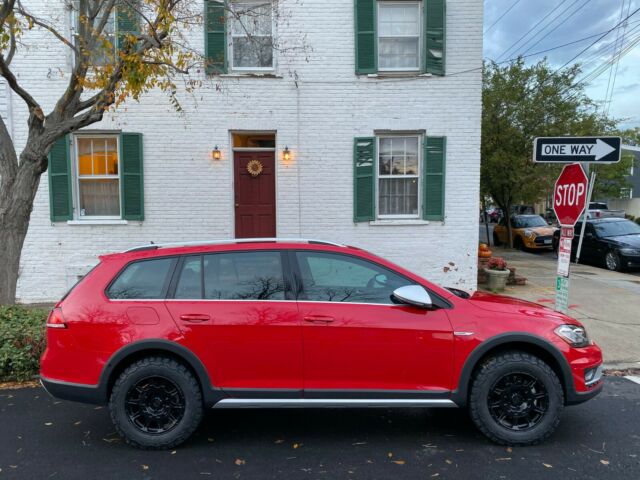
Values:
[(484, 252)]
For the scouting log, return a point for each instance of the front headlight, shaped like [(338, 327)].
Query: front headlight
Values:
[(530, 233), (574, 335), (630, 251)]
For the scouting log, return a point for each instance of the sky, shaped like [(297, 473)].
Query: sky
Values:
[(567, 21)]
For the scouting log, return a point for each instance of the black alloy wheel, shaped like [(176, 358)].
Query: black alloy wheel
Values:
[(518, 401), (155, 405)]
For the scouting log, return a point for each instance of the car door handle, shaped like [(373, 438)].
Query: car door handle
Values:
[(194, 317), (319, 319)]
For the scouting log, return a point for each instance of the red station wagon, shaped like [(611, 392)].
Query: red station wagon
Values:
[(162, 332)]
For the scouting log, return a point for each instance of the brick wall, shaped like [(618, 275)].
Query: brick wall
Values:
[(188, 196)]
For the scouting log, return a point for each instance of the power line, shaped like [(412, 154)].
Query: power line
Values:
[(540, 52), (501, 16), (606, 95), (558, 25), (615, 75), (597, 40), (517, 42)]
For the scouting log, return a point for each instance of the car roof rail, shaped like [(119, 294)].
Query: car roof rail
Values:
[(155, 246)]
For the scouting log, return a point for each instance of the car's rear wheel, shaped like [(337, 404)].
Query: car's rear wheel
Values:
[(612, 261), (156, 403), (516, 399)]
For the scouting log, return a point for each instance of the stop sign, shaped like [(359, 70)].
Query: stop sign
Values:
[(570, 194)]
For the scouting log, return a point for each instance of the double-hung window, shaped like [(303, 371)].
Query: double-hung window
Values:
[(398, 177), (98, 175), (251, 42), (399, 36)]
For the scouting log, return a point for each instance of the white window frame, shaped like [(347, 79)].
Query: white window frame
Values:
[(420, 5), (76, 162), (231, 36), (418, 215)]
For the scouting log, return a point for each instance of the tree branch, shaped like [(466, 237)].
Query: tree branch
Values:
[(13, 83), (47, 27)]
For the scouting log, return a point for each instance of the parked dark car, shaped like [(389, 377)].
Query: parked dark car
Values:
[(613, 243)]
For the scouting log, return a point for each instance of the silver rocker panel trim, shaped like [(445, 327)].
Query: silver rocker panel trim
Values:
[(330, 403)]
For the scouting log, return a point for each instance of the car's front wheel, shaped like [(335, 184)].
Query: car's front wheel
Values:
[(156, 403), (516, 399), (612, 261)]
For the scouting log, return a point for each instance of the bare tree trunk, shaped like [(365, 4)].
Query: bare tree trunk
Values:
[(18, 191)]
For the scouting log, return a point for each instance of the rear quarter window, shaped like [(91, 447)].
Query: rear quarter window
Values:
[(144, 279)]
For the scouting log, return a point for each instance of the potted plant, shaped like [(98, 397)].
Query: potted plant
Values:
[(497, 274)]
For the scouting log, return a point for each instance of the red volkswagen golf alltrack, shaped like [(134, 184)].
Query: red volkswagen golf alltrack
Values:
[(162, 332)]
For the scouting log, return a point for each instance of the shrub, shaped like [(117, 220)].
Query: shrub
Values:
[(22, 341), (497, 263)]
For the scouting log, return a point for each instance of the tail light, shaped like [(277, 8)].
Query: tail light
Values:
[(56, 320)]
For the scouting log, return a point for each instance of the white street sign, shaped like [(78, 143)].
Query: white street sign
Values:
[(564, 256)]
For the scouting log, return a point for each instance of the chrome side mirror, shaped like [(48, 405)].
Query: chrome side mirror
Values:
[(414, 295)]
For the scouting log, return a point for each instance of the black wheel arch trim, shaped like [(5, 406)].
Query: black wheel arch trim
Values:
[(460, 395), (211, 395)]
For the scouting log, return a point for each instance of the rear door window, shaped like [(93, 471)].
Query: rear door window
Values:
[(145, 279), (244, 276), (189, 284)]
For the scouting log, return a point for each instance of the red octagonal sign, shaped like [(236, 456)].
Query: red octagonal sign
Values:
[(570, 194)]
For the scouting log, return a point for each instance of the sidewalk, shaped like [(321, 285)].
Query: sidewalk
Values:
[(608, 303)]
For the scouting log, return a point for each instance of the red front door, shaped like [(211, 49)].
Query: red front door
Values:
[(255, 194)]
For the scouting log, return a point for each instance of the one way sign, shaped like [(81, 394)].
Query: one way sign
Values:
[(577, 149)]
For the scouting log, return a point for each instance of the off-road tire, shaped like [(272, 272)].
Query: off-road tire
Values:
[(487, 375), (182, 378)]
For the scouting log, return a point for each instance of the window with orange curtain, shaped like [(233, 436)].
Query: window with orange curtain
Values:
[(98, 176)]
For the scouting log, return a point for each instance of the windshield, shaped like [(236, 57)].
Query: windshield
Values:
[(529, 222), (613, 229)]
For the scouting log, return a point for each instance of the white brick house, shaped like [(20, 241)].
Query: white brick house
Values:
[(370, 79)]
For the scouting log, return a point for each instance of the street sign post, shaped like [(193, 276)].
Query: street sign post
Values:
[(577, 149), (569, 201)]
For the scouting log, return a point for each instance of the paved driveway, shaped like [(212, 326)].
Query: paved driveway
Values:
[(44, 438)]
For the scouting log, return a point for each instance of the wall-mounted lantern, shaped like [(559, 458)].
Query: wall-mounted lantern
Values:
[(216, 154), (286, 154)]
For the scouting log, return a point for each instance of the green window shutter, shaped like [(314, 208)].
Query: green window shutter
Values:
[(60, 204), (126, 24), (364, 155), (366, 41), (215, 43), (435, 35), (131, 176), (434, 178)]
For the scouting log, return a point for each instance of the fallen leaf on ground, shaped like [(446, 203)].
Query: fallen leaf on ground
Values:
[(297, 445), (548, 465), (174, 452), (77, 423), (398, 462), (48, 424), (145, 467), (389, 454), (604, 462), (509, 449), (279, 441), (502, 459), (239, 461), (449, 461)]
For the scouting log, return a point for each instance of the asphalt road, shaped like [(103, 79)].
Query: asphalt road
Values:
[(44, 438)]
